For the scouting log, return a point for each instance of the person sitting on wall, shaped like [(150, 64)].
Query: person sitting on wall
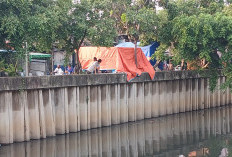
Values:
[(95, 59), (69, 70), (58, 70), (94, 68), (170, 65)]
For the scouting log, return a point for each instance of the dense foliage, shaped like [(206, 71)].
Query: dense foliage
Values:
[(45, 24), (193, 30), (197, 31)]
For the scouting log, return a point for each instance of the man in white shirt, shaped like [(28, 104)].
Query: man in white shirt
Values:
[(58, 70), (95, 67)]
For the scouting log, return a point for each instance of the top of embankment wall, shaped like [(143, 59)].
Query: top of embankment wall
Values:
[(43, 82)]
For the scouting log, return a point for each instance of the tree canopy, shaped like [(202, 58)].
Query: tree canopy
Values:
[(191, 29), (45, 24), (197, 30)]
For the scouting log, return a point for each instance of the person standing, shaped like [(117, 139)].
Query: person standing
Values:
[(170, 65), (183, 65)]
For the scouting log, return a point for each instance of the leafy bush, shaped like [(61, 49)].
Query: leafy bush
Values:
[(11, 70), (2, 66)]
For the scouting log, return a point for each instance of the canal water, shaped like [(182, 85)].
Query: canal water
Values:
[(200, 133)]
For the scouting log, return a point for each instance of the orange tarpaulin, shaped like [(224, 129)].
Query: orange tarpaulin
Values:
[(119, 58)]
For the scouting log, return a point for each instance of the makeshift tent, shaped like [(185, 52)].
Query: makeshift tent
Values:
[(120, 59), (148, 50)]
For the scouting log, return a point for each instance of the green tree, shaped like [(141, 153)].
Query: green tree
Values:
[(85, 21), (29, 22), (41, 24), (136, 19), (195, 30)]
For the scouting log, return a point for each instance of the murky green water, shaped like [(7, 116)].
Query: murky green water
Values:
[(203, 133)]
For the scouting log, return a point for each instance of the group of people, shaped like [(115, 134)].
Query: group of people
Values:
[(92, 69), (168, 65), (68, 70)]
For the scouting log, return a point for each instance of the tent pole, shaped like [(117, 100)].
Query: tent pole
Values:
[(135, 52)]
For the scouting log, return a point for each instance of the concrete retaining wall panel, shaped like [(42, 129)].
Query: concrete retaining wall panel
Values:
[(49, 111), (212, 101), (18, 116), (140, 101), (83, 102), (155, 100), (223, 93), (33, 106), (99, 115), (175, 96), (59, 102), (163, 98), (66, 110), (201, 94), (206, 94), (6, 121), (78, 108), (24, 99), (113, 104), (188, 98), (195, 94), (42, 123), (227, 96), (131, 102), (93, 107), (182, 92), (218, 97), (170, 103), (72, 109), (33, 114), (105, 106), (123, 103), (147, 100)]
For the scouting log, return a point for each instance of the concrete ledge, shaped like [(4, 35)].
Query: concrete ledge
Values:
[(42, 82), (22, 83), (176, 75), (171, 75)]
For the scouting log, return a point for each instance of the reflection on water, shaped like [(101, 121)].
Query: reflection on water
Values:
[(204, 133)]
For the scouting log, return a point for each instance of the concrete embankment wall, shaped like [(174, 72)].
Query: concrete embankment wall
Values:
[(38, 107), (166, 136)]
